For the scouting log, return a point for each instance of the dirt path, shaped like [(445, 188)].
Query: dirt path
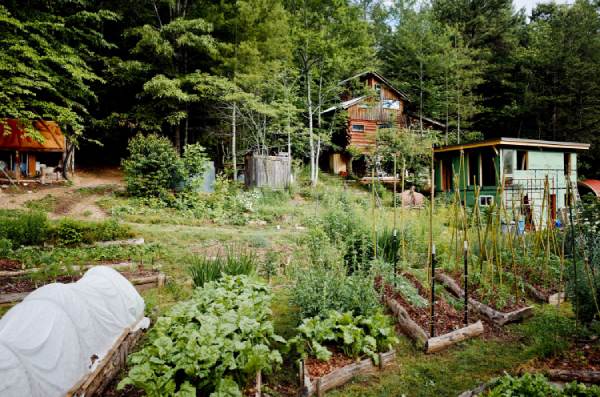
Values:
[(77, 200)]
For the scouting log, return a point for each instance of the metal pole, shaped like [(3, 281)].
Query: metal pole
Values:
[(432, 321), (395, 244), (466, 282)]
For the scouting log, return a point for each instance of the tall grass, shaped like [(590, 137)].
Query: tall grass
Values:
[(235, 262)]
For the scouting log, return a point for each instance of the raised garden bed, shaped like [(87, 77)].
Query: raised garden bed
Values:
[(500, 318), (97, 381), (14, 289), (337, 373), (414, 321)]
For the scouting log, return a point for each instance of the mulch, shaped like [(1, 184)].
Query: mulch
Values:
[(317, 368), (447, 318), (582, 356), (10, 265), (475, 294), (27, 283)]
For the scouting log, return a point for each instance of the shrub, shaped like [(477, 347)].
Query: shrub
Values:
[(69, 232), (5, 247), (24, 228), (318, 290), (153, 166)]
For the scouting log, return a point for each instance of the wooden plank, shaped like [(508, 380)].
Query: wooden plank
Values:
[(442, 342), (6, 299), (94, 383), (556, 299), (130, 241)]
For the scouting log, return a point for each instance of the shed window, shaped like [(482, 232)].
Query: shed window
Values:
[(358, 128), (488, 169), (378, 89), (508, 161), (486, 201), (522, 161)]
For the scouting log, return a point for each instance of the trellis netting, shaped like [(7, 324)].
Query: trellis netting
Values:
[(60, 332)]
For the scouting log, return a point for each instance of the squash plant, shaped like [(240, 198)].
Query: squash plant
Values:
[(355, 336), (213, 344)]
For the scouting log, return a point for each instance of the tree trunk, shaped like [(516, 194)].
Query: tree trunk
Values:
[(311, 142), (178, 138), (233, 142)]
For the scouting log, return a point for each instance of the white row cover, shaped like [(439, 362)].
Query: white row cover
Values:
[(54, 337)]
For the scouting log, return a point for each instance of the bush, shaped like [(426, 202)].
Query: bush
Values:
[(24, 228), (153, 167), (69, 232), (5, 247), (318, 290)]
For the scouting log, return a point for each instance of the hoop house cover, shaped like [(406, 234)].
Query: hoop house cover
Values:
[(60, 332)]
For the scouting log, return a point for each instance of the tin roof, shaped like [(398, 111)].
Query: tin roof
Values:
[(13, 137), (518, 142), (592, 184)]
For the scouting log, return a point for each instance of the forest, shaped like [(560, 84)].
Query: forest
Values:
[(244, 75)]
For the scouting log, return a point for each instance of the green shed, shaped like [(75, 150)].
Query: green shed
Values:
[(525, 173)]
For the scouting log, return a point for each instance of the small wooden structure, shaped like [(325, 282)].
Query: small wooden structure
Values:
[(341, 376), (23, 159), (267, 171)]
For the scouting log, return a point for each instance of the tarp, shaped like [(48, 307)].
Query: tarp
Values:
[(60, 332)]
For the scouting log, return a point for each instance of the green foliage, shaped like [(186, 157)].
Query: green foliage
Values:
[(355, 336), (318, 290), (213, 343), (24, 227), (6, 246), (550, 333), (69, 232), (235, 262), (537, 385), (153, 166)]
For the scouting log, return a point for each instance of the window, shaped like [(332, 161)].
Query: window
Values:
[(508, 156), (486, 201), (522, 161), (378, 89), (358, 128), (473, 169)]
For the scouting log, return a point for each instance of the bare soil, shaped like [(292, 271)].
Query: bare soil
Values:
[(70, 200)]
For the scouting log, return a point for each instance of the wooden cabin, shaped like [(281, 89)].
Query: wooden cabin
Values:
[(371, 103), (531, 177), (24, 159)]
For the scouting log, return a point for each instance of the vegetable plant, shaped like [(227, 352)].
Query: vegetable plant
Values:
[(212, 344)]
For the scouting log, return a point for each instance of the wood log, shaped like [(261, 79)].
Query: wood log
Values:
[(407, 324), (443, 341), (517, 315), (492, 314), (130, 241), (535, 294), (13, 273), (258, 384), (453, 287), (8, 299), (479, 389), (568, 375)]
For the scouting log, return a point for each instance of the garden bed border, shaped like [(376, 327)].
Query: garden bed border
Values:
[(499, 318), (341, 376), (140, 283)]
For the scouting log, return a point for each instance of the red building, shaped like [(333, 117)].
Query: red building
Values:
[(371, 103)]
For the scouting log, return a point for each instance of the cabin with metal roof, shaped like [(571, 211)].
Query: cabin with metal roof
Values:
[(371, 103), (25, 159), (530, 178)]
